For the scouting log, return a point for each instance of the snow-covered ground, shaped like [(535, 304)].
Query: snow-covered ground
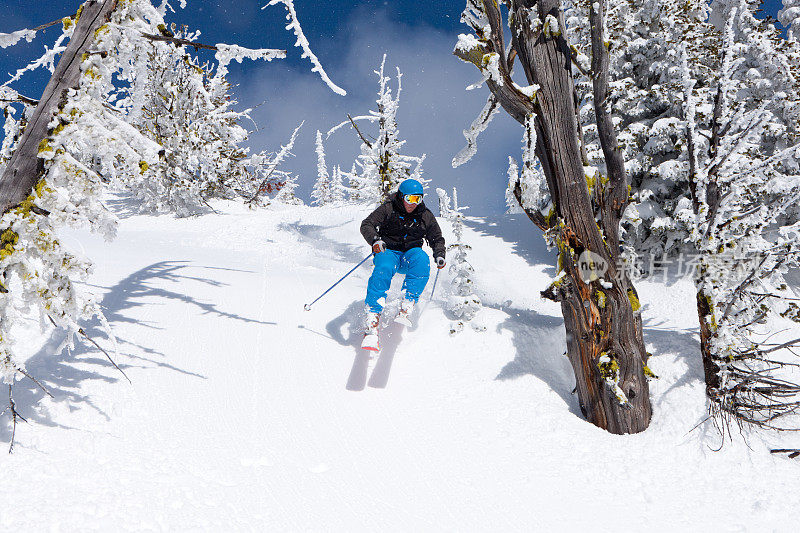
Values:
[(247, 413)]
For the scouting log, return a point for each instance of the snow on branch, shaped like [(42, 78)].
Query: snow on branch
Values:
[(476, 128), (350, 120), (9, 95), (302, 42), (165, 5), (47, 60), (10, 39), (231, 52)]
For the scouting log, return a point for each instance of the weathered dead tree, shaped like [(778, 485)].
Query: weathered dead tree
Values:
[(25, 167), (604, 331)]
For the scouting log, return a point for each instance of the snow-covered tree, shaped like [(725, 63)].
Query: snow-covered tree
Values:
[(789, 16), (609, 368), (186, 107), (381, 167), (264, 178), (46, 183), (644, 101), (462, 302), (337, 187), (57, 157), (744, 182), (322, 193), (285, 193), (652, 39)]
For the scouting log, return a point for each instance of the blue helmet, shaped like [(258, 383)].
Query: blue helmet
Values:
[(410, 186)]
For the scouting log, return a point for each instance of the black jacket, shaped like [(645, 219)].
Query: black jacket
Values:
[(402, 231)]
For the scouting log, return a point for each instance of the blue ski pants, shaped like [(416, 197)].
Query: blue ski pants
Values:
[(415, 264)]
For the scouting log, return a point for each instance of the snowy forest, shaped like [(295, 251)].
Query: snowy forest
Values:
[(610, 330)]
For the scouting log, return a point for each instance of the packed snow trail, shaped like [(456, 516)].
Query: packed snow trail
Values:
[(248, 413)]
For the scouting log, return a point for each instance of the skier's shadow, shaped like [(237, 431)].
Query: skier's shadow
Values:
[(391, 335), (390, 340)]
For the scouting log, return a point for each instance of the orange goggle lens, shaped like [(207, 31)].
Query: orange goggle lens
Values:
[(413, 198)]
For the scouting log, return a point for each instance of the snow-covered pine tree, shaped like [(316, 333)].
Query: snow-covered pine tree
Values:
[(744, 181), (285, 193), (644, 99), (322, 193), (462, 302), (186, 107), (789, 16), (352, 188), (381, 166), (338, 189)]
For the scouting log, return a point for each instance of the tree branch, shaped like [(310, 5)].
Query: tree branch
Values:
[(615, 166), (369, 144), (14, 415), (24, 373), (87, 337), (22, 99), (177, 40), (534, 215), (53, 23)]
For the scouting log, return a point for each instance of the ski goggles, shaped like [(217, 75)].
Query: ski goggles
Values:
[(413, 198)]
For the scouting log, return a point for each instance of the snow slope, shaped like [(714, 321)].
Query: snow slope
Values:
[(248, 414)]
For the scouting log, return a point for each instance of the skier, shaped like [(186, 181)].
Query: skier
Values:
[(395, 230)]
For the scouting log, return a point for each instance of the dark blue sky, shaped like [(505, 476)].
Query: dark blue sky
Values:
[(350, 38), (327, 24)]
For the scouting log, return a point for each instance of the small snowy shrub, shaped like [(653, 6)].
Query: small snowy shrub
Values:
[(462, 302)]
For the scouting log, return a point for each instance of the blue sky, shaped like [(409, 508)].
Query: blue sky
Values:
[(350, 39)]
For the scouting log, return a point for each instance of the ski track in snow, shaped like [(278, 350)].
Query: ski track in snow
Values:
[(247, 413)]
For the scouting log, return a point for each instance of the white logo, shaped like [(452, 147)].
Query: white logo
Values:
[(591, 266)]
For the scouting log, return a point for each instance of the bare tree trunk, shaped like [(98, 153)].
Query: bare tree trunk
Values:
[(711, 369), (604, 335), (25, 168)]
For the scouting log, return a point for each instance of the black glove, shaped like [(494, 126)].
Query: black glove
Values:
[(440, 262)]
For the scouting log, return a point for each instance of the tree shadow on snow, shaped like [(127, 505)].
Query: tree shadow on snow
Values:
[(65, 373), (540, 345), (683, 343), (312, 234), (521, 233), (126, 205)]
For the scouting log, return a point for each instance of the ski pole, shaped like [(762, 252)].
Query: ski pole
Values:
[(434, 282), (307, 307)]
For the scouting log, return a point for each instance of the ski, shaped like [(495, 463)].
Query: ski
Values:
[(371, 343), (405, 320)]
